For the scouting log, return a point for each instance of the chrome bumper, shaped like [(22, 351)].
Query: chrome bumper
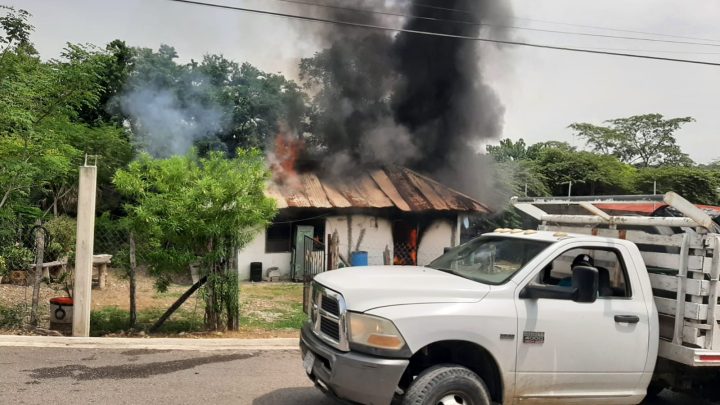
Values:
[(352, 376)]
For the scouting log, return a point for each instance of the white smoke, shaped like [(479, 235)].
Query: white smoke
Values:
[(164, 124)]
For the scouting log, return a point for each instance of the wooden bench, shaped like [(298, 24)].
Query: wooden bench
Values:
[(101, 263), (55, 268)]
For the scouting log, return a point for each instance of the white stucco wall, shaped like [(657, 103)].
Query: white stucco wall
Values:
[(378, 235), (434, 240), (255, 252)]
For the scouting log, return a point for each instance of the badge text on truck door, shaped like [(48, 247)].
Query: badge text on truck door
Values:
[(534, 338)]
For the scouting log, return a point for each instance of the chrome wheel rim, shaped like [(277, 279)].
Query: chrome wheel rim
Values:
[(453, 399)]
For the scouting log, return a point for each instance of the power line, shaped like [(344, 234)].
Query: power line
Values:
[(442, 35), (570, 24), (597, 27), (654, 51), (491, 25)]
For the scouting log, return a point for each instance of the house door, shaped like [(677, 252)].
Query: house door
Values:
[(405, 243)]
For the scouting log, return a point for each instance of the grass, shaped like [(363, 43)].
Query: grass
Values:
[(115, 320), (264, 308), (291, 317), (167, 294)]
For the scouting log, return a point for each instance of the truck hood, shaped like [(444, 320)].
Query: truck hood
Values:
[(365, 288)]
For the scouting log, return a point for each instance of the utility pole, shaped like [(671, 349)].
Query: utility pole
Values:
[(82, 287)]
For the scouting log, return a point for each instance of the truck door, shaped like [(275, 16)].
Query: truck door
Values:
[(569, 352)]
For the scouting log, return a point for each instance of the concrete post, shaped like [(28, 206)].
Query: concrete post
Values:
[(82, 288)]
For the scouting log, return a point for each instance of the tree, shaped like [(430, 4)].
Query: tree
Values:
[(214, 104), (260, 103), (696, 184), (508, 151), (591, 174), (642, 140), (198, 211), (16, 30)]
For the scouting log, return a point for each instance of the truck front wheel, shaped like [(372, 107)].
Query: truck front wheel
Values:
[(447, 384)]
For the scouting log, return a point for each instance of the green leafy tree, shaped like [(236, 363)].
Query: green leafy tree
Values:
[(251, 106), (16, 30), (642, 140), (508, 151), (198, 211), (591, 174), (698, 185), (42, 133)]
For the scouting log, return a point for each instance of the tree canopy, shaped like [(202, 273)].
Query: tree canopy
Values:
[(547, 168), (198, 210), (642, 140)]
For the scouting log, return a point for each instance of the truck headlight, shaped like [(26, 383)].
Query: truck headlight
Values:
[(374, 332)]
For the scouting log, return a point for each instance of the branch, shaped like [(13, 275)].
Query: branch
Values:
[(69, 189), (177, 304), (54, 106), (6, 196)]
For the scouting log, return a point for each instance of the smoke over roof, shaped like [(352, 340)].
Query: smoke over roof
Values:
[(406, 98)]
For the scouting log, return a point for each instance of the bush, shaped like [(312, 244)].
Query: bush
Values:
[(111, 234), (62, 231), (17, 257), (12, 317)]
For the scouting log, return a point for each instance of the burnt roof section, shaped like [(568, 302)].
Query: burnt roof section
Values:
[(397, 187)]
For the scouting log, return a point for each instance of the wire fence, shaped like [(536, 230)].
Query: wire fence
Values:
[(21, 250)]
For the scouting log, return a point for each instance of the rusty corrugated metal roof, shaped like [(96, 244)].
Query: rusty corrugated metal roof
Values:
[(398, 187)]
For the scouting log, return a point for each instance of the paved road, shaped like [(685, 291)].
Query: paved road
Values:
[(107, 376)]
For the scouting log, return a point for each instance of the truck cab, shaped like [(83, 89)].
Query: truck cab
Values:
[(592, 307), (537, 317)]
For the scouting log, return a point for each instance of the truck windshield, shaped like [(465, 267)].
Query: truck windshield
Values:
[(489, 259)]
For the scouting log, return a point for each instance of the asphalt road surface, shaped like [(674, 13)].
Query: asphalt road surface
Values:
[(106, 376)]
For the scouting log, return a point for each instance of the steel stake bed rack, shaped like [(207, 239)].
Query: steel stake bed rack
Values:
[(681, 263)]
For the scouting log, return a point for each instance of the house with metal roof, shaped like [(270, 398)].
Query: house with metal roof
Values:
[(378, 217)]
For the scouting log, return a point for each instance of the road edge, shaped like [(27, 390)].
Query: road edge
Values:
[(149, 343)]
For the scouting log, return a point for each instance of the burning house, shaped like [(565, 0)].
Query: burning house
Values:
[(390, 215), (388, 106)]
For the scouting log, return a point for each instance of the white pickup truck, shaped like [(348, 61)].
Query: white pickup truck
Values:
[(575, 312)]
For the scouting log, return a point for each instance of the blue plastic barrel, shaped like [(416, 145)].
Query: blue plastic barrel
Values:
[(359, 259)]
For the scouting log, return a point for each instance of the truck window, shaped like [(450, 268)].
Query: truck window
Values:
[(489, 260), (612, 273)]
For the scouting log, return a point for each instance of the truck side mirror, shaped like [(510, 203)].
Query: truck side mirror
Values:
[(585, 284)]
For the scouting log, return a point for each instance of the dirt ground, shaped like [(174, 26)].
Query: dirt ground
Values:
[(267, 309)]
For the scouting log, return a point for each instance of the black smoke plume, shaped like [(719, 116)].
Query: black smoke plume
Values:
[(406, 98)]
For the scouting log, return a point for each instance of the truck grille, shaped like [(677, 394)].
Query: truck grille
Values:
[(327, 315), (330, 305), (330, 328)]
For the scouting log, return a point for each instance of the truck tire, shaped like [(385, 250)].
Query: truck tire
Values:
[(447, 384)]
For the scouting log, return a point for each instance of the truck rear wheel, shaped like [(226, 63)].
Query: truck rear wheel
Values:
[(447, 384)]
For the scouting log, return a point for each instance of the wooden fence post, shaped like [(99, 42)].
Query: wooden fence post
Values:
[(82, 293)]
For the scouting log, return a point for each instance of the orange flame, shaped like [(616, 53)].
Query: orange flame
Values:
[(284, 157), (406, 253)]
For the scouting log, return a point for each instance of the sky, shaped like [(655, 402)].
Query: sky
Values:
[(543, 91)]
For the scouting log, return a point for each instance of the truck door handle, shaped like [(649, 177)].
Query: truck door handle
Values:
[(627, 319)]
